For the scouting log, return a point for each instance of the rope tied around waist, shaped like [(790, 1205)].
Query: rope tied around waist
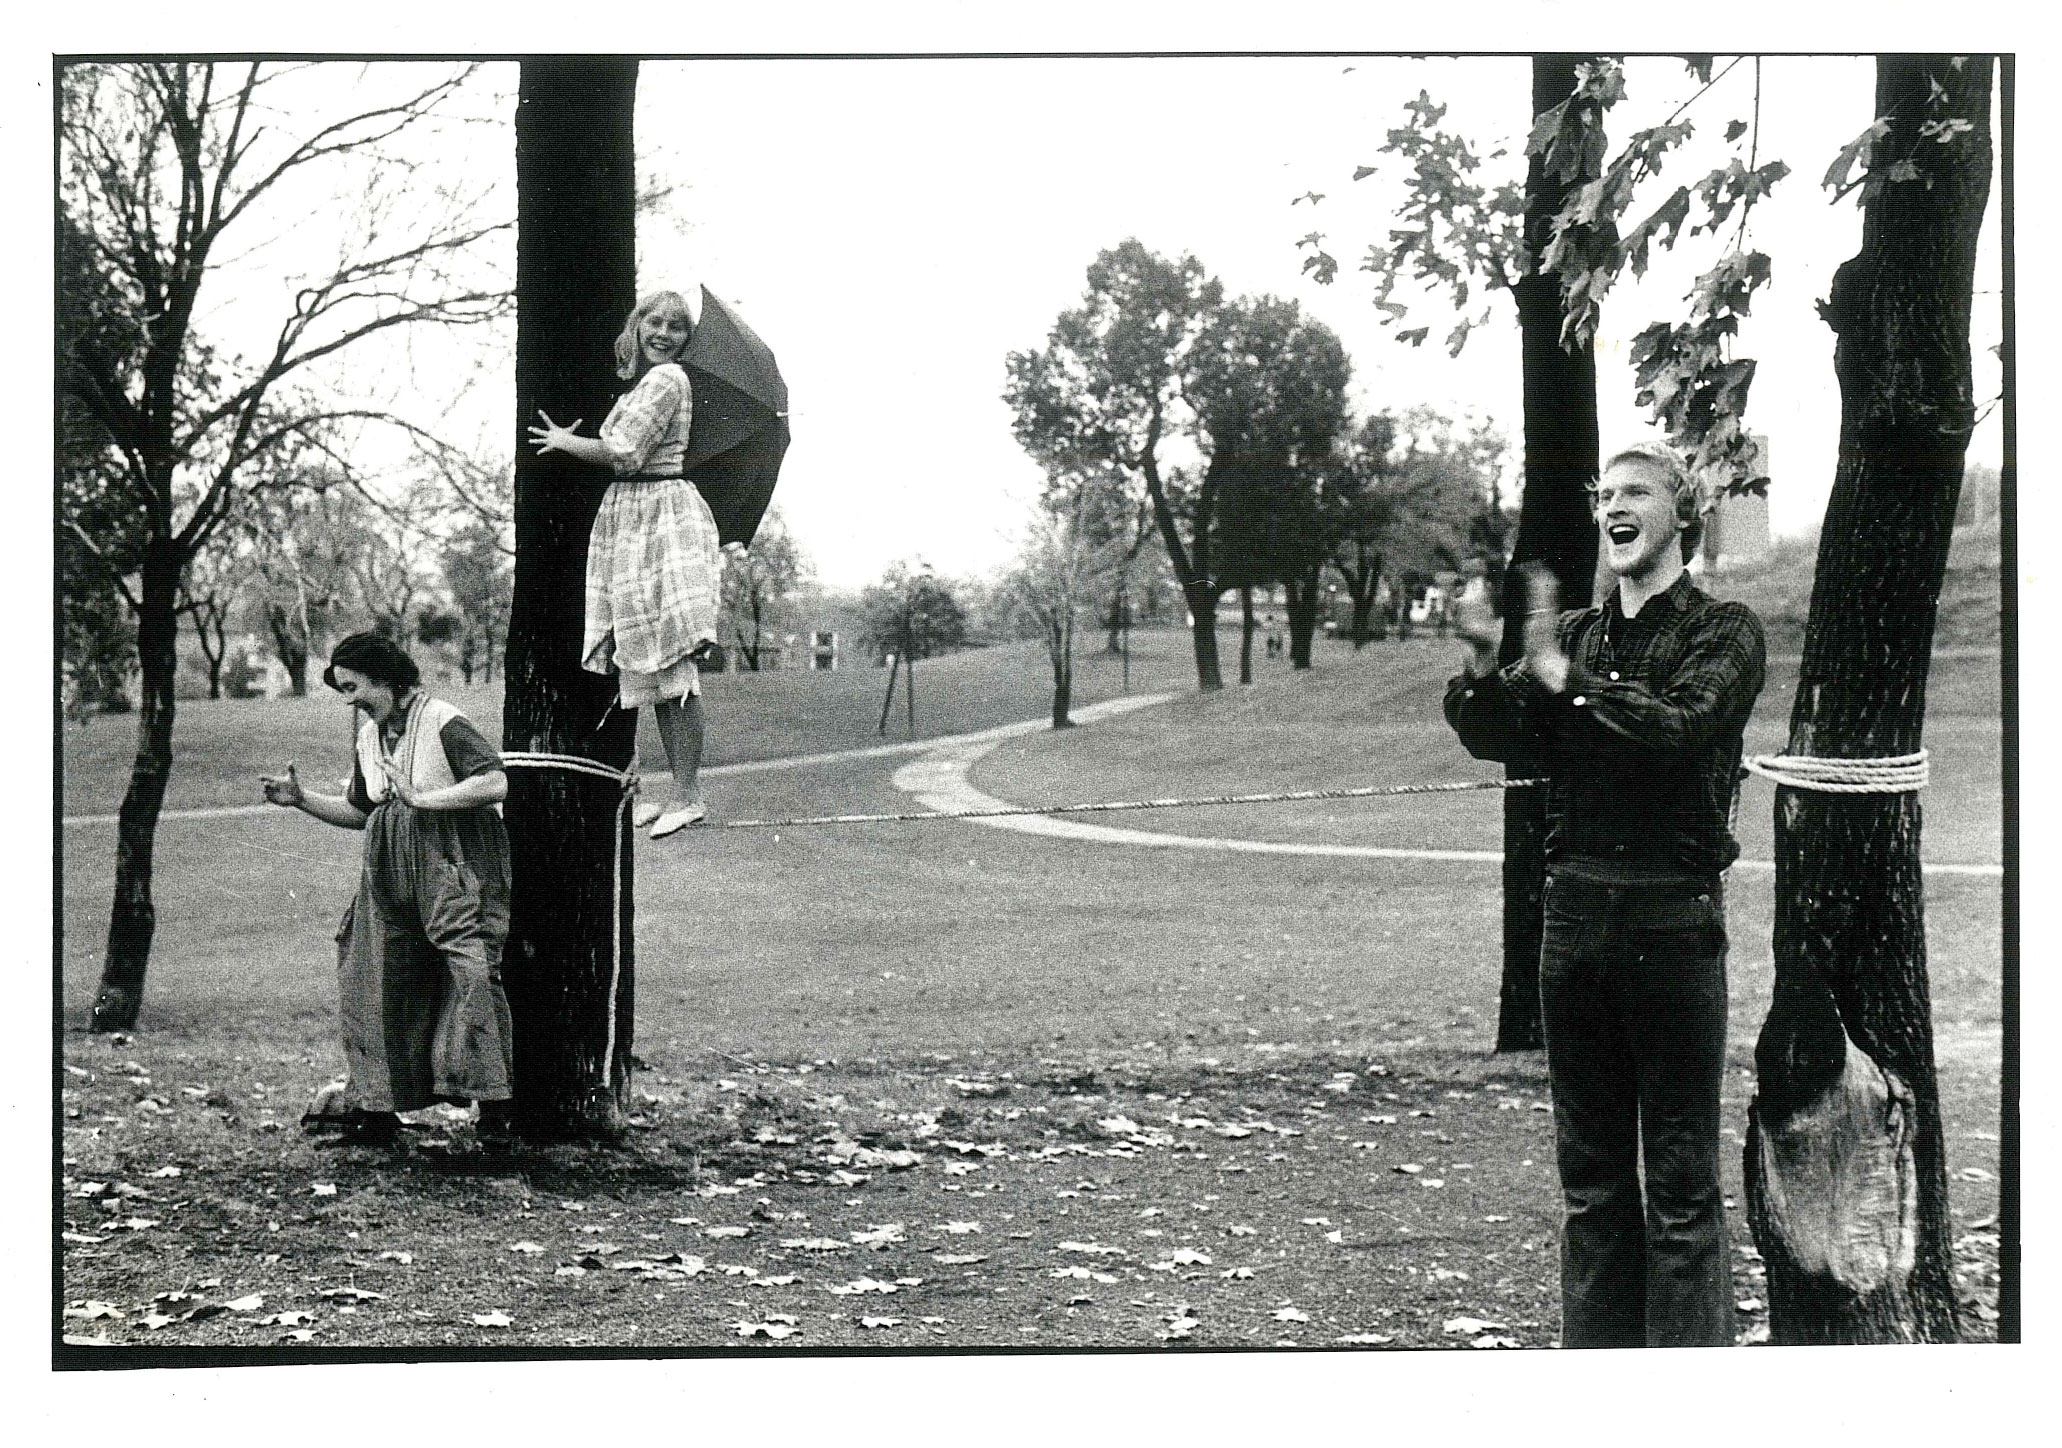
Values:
[(626, 780), (1890, 774)]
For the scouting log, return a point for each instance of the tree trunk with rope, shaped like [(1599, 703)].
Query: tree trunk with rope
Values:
[(1554, 528), (1845, 1162), (576, 278)]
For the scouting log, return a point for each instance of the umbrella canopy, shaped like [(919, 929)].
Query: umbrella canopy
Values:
[(740, 430)]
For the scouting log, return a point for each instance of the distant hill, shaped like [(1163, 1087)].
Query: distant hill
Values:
[(1778, 588)]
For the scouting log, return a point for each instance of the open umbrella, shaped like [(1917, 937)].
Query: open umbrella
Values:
[(740, 428)]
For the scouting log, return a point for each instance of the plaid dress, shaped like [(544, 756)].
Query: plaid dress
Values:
[(654, 564)]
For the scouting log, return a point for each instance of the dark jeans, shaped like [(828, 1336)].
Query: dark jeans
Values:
[(1633, 997)]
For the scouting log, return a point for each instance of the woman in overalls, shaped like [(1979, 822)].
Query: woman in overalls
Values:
[(419, 953)]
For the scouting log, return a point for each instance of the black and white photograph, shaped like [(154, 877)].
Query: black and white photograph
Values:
[(1158, 704)]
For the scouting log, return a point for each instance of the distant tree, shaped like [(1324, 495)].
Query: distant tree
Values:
[(758, 584), (478, 573), (162, 167), (1414, 498), (1069, 558), (303, 539), (1268, 388), (1106, 391), (912, 613), (209, 595)]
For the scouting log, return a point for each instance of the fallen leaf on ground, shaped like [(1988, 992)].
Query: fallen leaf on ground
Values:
[(527, 1248), (725, 1231), (863, 1284), (1496, 1217), (774, 1330), (959, 1259), (1245, 1231), (879, 1235), (496, 1318), (815, 1244), (1471, 1326), (1408, 1168), (289, 1318), (323, 1189), (1337, 1236), (247, 1304), (1364, 1339), (1083, 1274), (1290, 1314), (93, 1311), (1236, 1274), (957, 1229), (1495, 1340), (880, 1322), (788, 1280), (1095, 1247), (404, 1258), (166, 1171)]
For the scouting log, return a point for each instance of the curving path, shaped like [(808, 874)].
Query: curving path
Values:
[(939, 780)]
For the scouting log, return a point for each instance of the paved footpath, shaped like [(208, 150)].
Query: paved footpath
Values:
[(939, 780)]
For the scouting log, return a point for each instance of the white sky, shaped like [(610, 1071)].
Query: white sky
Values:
[(894, 228)]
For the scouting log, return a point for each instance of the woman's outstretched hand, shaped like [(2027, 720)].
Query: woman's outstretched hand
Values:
[(551, 437), (283, 789)]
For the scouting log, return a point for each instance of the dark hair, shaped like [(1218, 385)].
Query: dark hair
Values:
[(379, 659)]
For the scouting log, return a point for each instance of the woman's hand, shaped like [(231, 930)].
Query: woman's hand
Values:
[(284, 789), (551, 437), (397, 782)]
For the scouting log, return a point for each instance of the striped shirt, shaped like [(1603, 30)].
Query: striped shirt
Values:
[(1641, 749)]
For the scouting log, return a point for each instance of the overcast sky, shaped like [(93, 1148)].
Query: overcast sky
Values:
[(895, 228)]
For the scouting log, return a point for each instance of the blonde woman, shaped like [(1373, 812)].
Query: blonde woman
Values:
[(654, 566)]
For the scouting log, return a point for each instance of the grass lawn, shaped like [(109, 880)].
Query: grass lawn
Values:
[(1154, 1098)]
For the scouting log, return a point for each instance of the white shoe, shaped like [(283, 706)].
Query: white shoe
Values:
[(672, 820), (642, 814)]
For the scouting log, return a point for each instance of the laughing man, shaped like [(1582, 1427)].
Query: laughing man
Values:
[(1632, 711)]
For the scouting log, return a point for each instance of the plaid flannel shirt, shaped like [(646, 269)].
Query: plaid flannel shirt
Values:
[(1641, 749)]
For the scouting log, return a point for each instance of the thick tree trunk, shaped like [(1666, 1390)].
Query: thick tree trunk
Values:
[(1846, 1168), (132, 921), (575, 282), (1303, 597), (1554, 528), (1362, 584)]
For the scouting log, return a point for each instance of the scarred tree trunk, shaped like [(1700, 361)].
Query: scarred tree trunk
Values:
[(1554, 528), (1846, 1168), (575, 282), (133, 920)]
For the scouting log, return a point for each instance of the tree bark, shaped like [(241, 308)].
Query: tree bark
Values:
[(1555, 529), (1303, 599), (1201, 598), (1246, 633), (1061, 638), (575, 282), (132, 922), (1846, 1167)]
